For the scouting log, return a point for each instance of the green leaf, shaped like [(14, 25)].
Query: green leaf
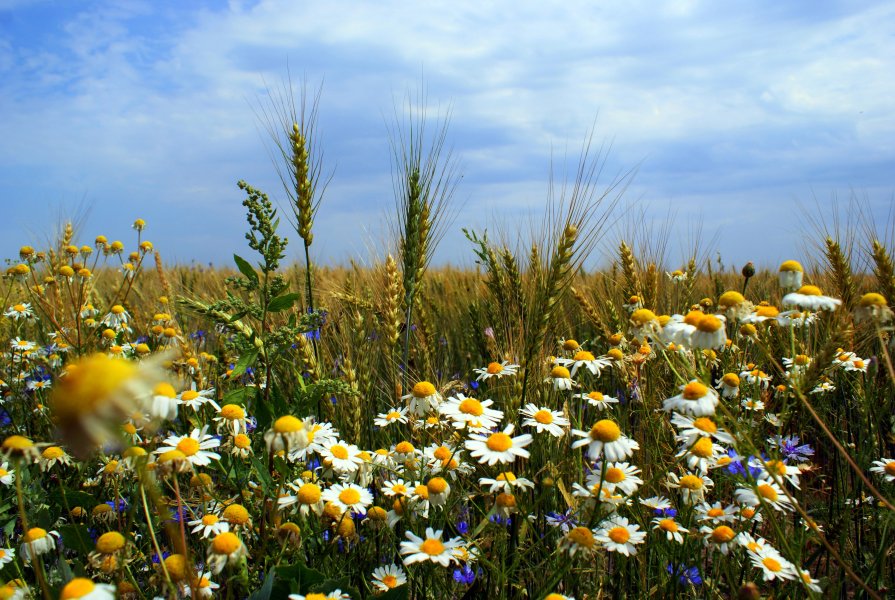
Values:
[(398, 593), (303, 576), (75, 537), (263, 474), (284, 302), (237, 396), (246, 269), (244, 362)]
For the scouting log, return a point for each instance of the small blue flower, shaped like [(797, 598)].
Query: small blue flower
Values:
[(465, 575), (686, 575)]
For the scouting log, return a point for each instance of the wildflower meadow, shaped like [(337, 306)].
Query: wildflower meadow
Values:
[(533, 427)]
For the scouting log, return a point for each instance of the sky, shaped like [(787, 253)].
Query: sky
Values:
[(740, 124)]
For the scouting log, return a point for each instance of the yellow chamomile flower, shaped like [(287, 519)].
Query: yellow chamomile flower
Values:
[(605, 439)]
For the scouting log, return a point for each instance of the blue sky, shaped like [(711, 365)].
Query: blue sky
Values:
[(746, 118)]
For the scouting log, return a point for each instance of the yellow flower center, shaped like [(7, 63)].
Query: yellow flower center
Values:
[(709, 324), (210, 520), (642, 316), (890, 468), (668, 525), (722, 534), (596, 396), (619, 535), (33, 534), (771, 564), (494, 368), (544, 417), (776, 466), (288, 424), (505, 500), (767, 492), (694, 391), (442, 453), (507, 476), (236, 514), (404, 448), (867, 300), (309, 493), (691, 482), (605, 431), (714, 512), (615, 475), (189, 395), (176, 566), (559, 372), (390, 581), (810, 290), (748, 513), (730, 299), (225, 543), (109, 543), (349, 496), (583, 355), (432, 547), (231, 412), (499, 442), (423, 389), (91, 383), (339, 451), (53, 452), (76, 588), (471, 406), (189, 446), (801, 360), (393, 415), (582, 536), (705, 424), (242, 441), (437, 485), (702, 448), (791, 265)]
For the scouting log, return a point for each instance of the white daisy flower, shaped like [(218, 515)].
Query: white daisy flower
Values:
[(560, 378), (308, 496), (709, 334), (195, 447), (598, 399), (498, 447), (885, 468), (496, 369), (423, 398), (583, 358), (81, 588), (348, 497), (20, 311), (432, 548), (773, 565), (719, 537), (616, 476), (692, 487), (341, 456), (506, 482), (695, 399), (7, 476), (209, 525), (544, 420), (605, 439), (388, 577), (225, 549), (465, 412), (716, 513), (7, 555), (617, 534), (811, 298), (196, 399), (767, 491), (690, 429), (394, 415), (673, 531)]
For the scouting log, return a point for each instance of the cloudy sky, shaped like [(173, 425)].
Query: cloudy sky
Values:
[(748, 118)]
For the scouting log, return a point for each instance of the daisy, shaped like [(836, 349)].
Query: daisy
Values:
[(709, 333), (579, 539), (498, 447), (204, 586), (692, 486), (51, 456), (884, 467), (768, 492), (873, 306), (336, 594), (772, 564), (7, 555), (583, 358), (811, 298), (196, 399), (720, 537), (388, 577), (617, 534), (496, 369), (605, 439), (423, 398), (756, 376), (432, 548), (560, 378), (657, 503), (644, 323), (225, 549), (394, 488), (20, 311), (7, 477), (209, 525), (288, 433), (598, 400), (729, 384), (195, 447), (752, 405), (465, 412), (690, 429), (308, 496), (673, 531), (790, 275), (505, 482), (616, 476), (231, 417), (543, 419), (701, 455), (716, 513), (37, 541), (348, 497), (776, 470), (116, 318), (21, 345), (695, 399), (439, 490), (394, 415), (164, 403), (808, 581), (81, 588), (240, 445), (341, 456)]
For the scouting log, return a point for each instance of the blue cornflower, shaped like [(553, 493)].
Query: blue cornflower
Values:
[(669, 513), (465, 575), (474, 385), (686, 575), (790, 448), (736, 465)]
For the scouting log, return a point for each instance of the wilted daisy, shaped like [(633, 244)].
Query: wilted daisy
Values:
[(790, 275), (423, 398), (164, 403), (465, 412), (394, 415), (644, 323), (225, 549), (605, 439), (232, 418), (50, 457), (709, 333), (348, 497), (873, 307), (695, 399), (116, 318), (673, 531), (765, 492), (288, 433), (811, 298), (543, 419), (498, 447), (439, 490), (431, 548), (496, 369), (506, 482), (885, 468), (195, 447), (598, 399), (560, 378), (37, 541), (729, 384), (388, 577), (617, 534)]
